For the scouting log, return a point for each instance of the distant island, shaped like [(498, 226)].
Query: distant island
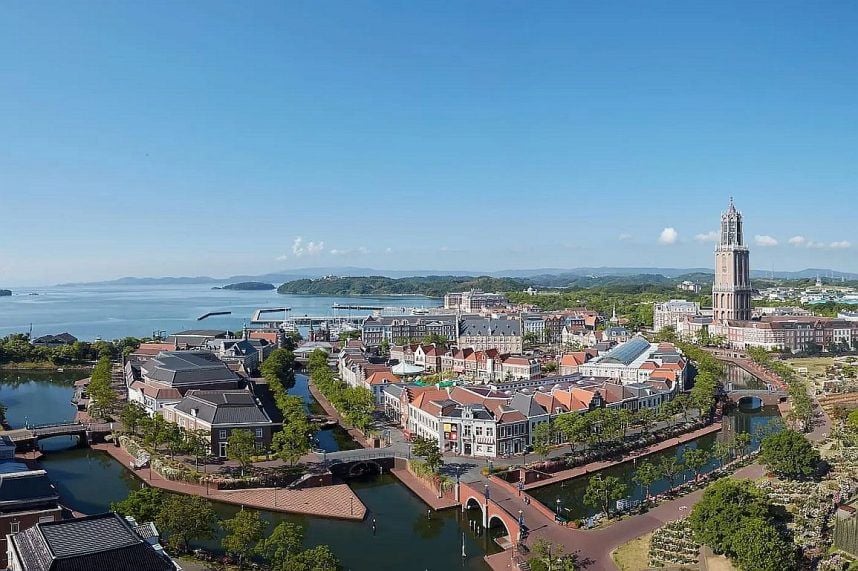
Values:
[(248, 286), (431, 286), (5, 292)]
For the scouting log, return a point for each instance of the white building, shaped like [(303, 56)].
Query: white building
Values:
[(671, 313)]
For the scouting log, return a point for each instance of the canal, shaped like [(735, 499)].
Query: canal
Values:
[(736, 420), (89, 481)]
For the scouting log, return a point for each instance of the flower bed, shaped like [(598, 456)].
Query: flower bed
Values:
[(672, 545)]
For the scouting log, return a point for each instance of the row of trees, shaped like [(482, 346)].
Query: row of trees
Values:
[(293, 441), (185, 519), (735, 518), (16, 348), (596, 428), (602, 492), (801, 404), (355, 404), (101, 392)]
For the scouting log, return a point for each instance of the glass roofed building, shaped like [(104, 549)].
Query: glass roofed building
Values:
[(638, 360)]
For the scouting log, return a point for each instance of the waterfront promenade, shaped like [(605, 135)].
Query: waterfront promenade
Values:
[(337, 501)]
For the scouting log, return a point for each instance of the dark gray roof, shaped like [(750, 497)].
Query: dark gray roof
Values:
[(188, 368), (483, 327), (66, 338), (106, 542), (223, 407), (23, 488), (526, 404)]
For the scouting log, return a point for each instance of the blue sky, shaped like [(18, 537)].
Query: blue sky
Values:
[(186, 138)]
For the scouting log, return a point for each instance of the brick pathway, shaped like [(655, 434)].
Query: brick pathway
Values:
[(337, 501)]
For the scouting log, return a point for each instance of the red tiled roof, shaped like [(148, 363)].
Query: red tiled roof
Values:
[(382, 378)]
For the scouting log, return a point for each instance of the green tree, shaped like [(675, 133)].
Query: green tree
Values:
[(198, 443), (101, 391), (292, 441), (430, 452), (601, 492), (284, 542), (695, 459), (241, 447), (789, 455), (186, 518), (722, 511), (743, 443), (574, 427), (279, 370), (723, 452), (671, 468), (760, 546), (131, 415), (319, 558), (542, 436), (546, 556), (143, 504), (243, 533), (646, 475)]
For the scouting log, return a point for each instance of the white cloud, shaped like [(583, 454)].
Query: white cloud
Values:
[(348, 251), (388, 250), (817, 245), (281, 257), (299, 248), (668, 236), (840, 245), (624, 236), (765, 240), (797, 240), (711, 236)]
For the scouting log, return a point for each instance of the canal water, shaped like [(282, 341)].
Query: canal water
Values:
[(736, 420), (89, 481)]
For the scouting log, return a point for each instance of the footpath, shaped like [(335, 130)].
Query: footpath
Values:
[(337, 501)]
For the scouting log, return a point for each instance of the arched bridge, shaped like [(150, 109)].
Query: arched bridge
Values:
[(26, 437), (493, 512), (768, 397)]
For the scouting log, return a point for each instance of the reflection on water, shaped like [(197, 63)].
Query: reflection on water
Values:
[(739, 379), (571, 492)]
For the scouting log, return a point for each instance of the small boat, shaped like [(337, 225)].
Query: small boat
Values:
[(59, 369)]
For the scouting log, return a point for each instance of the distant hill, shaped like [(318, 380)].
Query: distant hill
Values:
[(248, 286), (432, 286), (547, 277)]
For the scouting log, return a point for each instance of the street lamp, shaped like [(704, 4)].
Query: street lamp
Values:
[(558, 507)]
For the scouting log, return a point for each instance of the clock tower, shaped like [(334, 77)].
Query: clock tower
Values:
[(731, 292)]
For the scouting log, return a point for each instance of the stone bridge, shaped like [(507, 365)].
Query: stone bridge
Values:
[(768, 397), (493, 512), (360, 462)]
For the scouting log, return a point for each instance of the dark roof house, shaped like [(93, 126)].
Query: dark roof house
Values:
[(106, 542), (187, 369), (226, 407)]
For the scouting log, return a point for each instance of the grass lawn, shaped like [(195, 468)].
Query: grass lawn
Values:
[(634, 555), (815, 365)]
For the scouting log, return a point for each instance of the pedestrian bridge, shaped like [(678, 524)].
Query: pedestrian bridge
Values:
[(493, 512), (86, 432)]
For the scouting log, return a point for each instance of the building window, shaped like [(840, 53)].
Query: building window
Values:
[(222, 434), (258, 433), (14, 527)]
